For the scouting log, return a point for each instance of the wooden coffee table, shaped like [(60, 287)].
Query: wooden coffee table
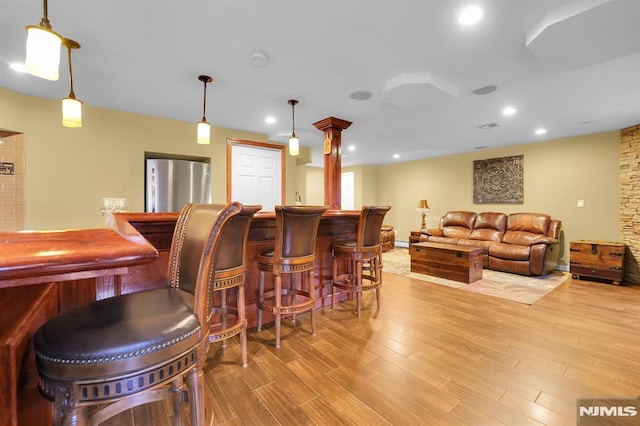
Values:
[(450, 261)]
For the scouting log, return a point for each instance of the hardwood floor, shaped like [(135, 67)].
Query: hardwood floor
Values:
[(432, 355)]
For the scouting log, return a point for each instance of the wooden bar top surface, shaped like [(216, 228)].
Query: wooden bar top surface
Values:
[(45, 253)]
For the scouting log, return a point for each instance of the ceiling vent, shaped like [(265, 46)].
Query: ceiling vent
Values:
[(485, 90), (488, 126)]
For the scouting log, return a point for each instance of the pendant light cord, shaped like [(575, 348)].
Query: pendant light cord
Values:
[(45, 18), (204, 103), (293, 103), (71, 94)]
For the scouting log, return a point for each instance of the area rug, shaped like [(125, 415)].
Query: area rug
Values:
[(512, 287)]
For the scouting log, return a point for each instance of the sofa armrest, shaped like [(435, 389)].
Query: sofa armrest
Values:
[(547, 240), (432, 232)]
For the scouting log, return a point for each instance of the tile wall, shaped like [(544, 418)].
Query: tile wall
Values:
[(12, 183)]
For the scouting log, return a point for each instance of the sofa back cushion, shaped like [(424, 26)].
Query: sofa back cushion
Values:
[(457, 224), (526, 228), (489, 226)]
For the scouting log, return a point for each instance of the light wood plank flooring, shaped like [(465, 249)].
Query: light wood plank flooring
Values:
[(432, 355)]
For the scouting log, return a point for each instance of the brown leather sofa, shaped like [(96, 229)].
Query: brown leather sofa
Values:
[(520, 243), (387, 237)]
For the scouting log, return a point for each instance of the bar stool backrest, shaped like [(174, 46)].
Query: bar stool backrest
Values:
[(230, 254), (370, 225), (296, 231), (191, 267)]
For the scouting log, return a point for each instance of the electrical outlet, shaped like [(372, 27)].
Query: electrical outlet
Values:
[(580, 203)]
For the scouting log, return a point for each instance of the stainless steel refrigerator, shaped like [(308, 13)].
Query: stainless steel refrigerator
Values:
[(170, 184)]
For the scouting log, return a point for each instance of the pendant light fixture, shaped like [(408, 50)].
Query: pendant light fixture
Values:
[(71, 107), (294, 141), (43, 49), (204, 128)]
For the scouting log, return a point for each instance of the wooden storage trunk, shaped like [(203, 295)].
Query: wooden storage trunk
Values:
[(597, 259), (453, 262)]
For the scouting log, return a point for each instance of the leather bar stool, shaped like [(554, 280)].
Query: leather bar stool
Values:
[(362, 257), (139, 347), (293, 255), (227, 321)]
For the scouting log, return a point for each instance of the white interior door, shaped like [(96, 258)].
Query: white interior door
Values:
[(347, 191), (256, 176)]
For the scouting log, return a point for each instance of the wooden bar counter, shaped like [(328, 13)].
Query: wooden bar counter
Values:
[(43, 273), (158, 229)]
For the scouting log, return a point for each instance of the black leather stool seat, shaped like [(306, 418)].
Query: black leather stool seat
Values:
[(131, 333)]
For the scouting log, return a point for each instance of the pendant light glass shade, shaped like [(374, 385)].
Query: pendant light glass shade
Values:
[(294, 145), (71, 112), (71, 107), (294, 141), (204, 128), (204, 133), (43, 48), (43, 52)]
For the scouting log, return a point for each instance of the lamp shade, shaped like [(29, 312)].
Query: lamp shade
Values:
[(423, 205), (204, 133), (71, 112), (294, 145), (43, 52)]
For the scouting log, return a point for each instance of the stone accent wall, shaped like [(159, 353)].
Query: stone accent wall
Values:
[(630, 200)]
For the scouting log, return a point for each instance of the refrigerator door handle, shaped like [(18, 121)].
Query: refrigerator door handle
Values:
[(153, 190)]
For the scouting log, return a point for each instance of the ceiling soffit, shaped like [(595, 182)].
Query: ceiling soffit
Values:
[(584, 33)]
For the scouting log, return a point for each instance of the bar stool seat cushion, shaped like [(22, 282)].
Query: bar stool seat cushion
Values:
[(122, 334), (350, 247)]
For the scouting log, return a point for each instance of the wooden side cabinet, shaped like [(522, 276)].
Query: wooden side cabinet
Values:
[(414, 237), (597, 259)]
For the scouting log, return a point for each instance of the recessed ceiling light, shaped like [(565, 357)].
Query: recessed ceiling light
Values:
[(485, 90), (360, 95), (18, 67), (541, 131), (469, 15), (509, 110), (396, 156), (351, 148), (270, 120)]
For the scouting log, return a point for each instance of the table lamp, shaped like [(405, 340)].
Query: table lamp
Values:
[(423, 207)]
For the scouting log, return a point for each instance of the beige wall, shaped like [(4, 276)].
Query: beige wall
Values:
[(365, 185), (69, 171), (557, 173)]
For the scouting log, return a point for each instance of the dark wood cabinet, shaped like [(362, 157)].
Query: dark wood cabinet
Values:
[(414, 237), (597, 259)]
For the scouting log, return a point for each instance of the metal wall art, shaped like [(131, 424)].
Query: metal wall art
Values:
[(499, 180)]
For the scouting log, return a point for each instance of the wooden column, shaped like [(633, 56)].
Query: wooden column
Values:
[(332, 128)]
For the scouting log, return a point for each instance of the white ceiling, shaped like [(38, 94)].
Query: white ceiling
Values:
[(570, 66)]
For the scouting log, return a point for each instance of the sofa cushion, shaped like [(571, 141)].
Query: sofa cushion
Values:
[(484, 245), (489, 226), (536, 223), (526, 238), (509, 251), (457, 224), (442, 240)]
